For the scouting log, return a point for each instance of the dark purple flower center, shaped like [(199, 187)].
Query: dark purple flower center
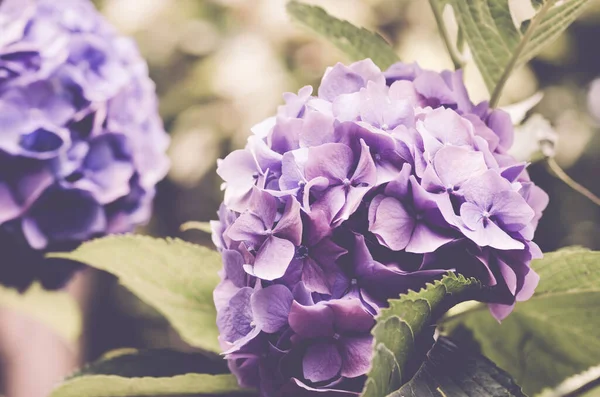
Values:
[(301, 252), (40, 140), (451, 188)]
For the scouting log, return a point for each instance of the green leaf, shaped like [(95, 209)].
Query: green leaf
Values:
[(175, 277), (399, 327), (57, 309), (498, 46), (152, 373), (450, 370), (357, 43), (553, 335)]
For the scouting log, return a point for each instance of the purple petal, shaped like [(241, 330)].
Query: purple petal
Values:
[(295, 104), (393, 224), (481, 189), (499, 121), (285, 135), (346, 107), (426, 239), (314, 278), (511, 173), (342, 79), (270, 307), (509, 276), (264, 206), (455, 82), (381, 111), (529, 284), (373, 206), (512, 210), (431, 85), (311, 321), (63, 216), (331, 160), (339, 80), (320, 269), (235, 319), (482, 130), (445, 127), (454, 165), (405, 90), (289, 226), (403, 71), (317, 129), (292, 169), (223, 293), (239, 170), (350, 316), (233, 263), (9, 209), (500, 311), (356, 355), (472, 216), (365, 172), (273, 258), (332, 203), (321, 362), (247, 228), (266, 158), (354, 198), (368, 70), (398, 188), (492, 235)]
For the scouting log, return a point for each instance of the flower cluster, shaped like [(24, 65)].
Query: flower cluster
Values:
[(81, 143), (381, 182)]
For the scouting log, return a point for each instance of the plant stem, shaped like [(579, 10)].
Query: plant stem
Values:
[(452, 51), (447, 319), (562, 175), (514, 60)]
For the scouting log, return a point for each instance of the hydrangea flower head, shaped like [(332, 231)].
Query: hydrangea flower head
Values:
[(81, 143), (378, 184)]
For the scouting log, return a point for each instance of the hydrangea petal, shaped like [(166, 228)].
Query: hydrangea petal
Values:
[(321, 362), (270, 308), (273, 258)]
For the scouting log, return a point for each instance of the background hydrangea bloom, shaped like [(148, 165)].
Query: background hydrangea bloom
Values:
[(81, 143), (381, 182)]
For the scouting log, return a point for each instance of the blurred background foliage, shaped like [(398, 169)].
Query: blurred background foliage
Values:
[(221, 66)]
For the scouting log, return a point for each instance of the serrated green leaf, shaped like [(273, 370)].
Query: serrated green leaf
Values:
[(152, 373), (553, 335), (175, 277), (357, 43), (399, 326), (450, 371), (56, 309), (498, 46), (381, 376)]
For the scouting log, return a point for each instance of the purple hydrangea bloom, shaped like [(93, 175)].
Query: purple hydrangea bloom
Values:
[(81, 143), (380, 183)]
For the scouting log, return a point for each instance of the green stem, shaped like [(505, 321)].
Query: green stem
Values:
[(452, 51), (453, 317), (517, 54), (562, 175)]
